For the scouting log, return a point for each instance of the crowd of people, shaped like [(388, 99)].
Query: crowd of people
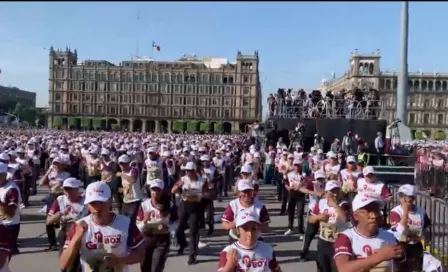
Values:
[(120, 199)]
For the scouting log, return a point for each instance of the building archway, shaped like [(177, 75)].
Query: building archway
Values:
[(227, 128), (137, 125), (150, 126), (103, 124), (212, 127), (164, 126), (124, 124), (64, 122), (112, 124), (244, 127)]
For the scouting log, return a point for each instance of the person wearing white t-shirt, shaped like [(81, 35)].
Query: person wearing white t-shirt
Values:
[(366, 246), (103, 239), (248, 253), (132, 193)]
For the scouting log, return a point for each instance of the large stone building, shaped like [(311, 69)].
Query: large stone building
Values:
[(147, 95), (428, 92)]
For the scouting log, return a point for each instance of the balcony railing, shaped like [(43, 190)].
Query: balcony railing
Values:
[(327, 108)]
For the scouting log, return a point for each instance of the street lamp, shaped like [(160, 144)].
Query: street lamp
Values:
[(402, 90)]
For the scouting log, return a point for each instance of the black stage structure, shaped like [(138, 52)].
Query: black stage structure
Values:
[(329, 129)]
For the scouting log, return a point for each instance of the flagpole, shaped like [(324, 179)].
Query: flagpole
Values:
[(152, 51)]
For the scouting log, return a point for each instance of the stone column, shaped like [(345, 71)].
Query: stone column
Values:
[(169, 126), (50, 122), (143, 125), (157, 128), (131, 125)]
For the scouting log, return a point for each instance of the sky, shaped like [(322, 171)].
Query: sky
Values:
[(299, 43)]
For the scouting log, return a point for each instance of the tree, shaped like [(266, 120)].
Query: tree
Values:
[(418, 135), (115, 127), (96, 123), (218, 128), (178, 126), (439, 135), (86, 123), (25, 112), (192, 126), (57, 122), (204, 127)]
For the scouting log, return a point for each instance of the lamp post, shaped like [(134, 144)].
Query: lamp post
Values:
[(402, 90)]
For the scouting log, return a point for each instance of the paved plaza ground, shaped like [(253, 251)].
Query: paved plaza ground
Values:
[(33, 243)]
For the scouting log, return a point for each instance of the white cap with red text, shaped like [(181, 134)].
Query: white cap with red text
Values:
[(71, 183), (407, 189), (362, 200), (368, 170), (244, 217), (245, 184), (332, 184), (97, 191)]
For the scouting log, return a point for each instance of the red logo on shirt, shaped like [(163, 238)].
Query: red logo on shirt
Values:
[(246, 261), (367, 250)]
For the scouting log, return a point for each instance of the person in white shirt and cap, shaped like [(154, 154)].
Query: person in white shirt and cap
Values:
[(193, 188), (66, 209), (417, 221), (248, 248), (154, 219), (94, 237)]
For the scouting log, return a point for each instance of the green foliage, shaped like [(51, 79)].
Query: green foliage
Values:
[(218, 128), (96, 123), (192, 126), (439, 135), (71, 121), (57, 122), (204, 127), (25, 112), (115, 127), (179, 126), (418, 135), (86, 123)]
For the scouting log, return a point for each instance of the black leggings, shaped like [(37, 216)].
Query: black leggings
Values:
[(310, 232), (325, 254), (189, 216), (156, 253), (296, 199)]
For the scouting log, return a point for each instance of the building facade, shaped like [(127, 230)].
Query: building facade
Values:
[(428, 92), (9, 96), (147, 95)]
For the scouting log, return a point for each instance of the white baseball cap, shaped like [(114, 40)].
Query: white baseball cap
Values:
[(407, 189), (332, 184), (105, 152), (246, 169), (332, 155), (362, 200), (189, 166), (152, 150), (97, 191), (157, 183), (351, 159), (205, 158), (124, 159), (3, 168), (319, 174), (245, 184), (71, 183), (244, 217), (320, 151), (58, 160), (368, 170)]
